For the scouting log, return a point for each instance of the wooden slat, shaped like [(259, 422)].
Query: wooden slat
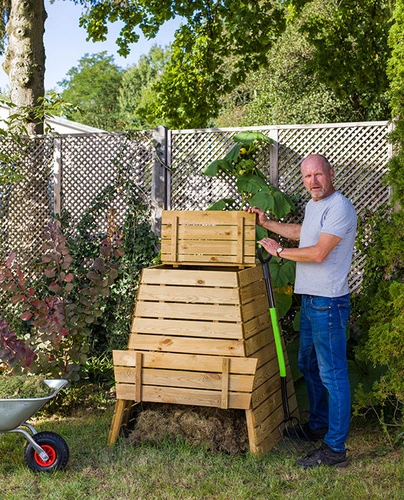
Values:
[(223, 381), (188, 294), (182, 396), (251, 275), (241, 237), (256, 325), (213, 217), (186, 345), (138, 376), (161, 275), (223, 232), (253, 291), (203, 363), (258, 341), (188, 311), (208, 259), (255, 308), (208, 329), (174, 238)]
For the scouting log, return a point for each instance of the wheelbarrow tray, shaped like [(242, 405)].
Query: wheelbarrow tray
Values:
[(14, 412)]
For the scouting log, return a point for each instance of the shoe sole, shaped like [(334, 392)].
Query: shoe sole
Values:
[(339, 465)]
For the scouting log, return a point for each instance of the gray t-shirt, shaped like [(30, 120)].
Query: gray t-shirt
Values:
[(333, 215)]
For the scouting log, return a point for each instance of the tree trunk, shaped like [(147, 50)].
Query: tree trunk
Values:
[(25, 59)]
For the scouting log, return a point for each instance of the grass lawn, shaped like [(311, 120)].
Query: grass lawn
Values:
[(178, 471)]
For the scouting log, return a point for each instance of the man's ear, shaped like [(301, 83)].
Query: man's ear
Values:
[(332, 174)]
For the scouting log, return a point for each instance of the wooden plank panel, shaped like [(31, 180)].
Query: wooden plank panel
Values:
[(161, 275), (183, 396), (251, 275), (255, 308), (188, 294), (257, 342), (188, 311), (186, 345), (187, 328), (182, 378), (185, 361), (253, 292), (256, 325)]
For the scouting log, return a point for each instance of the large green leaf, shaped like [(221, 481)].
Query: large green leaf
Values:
[(233, 154), (282, 272), (248, 137), (250, 183), (263, 200), (283, 303), (224, 204), (282, 203), (213, 168), (261, 232)]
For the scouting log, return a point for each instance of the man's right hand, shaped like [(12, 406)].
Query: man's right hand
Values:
[(261, 218)]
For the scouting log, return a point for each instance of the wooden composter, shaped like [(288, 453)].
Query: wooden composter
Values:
[(201, 331)]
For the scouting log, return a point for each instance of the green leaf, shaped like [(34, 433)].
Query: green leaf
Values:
[(263, 200), (282, 272), (233, 155), (212, 169), (283, 303), (261, 232), (224, 204), (250, 183), (248, 137)]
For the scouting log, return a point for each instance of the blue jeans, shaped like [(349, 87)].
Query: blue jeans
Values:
[(323, 362)]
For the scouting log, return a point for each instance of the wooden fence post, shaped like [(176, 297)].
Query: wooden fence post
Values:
[(160, 192)]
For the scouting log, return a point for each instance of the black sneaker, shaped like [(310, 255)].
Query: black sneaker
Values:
[(323, 456), (305, 432)]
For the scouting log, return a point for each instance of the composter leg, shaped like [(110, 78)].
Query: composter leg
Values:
[(122, 409)]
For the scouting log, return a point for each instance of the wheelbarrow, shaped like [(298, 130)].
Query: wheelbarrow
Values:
[(44, 451)]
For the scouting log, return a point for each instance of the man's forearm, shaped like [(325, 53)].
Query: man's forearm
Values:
[(289, 231)]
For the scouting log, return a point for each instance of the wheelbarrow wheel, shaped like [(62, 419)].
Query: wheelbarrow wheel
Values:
[(54, 446)]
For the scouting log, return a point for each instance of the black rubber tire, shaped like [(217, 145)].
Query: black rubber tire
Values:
[(54, 445)]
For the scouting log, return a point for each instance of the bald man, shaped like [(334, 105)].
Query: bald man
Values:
[(323, 259)]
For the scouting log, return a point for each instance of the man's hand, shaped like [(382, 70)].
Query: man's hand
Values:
[(261, 218), (270, 245)]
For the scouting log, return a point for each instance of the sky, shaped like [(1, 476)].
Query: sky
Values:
[(65, 43)]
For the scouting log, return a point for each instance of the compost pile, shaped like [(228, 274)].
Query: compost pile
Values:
[(217, 430), (23, 386)]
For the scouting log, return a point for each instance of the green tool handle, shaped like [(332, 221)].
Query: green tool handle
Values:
[(273, 313), (278, 342)]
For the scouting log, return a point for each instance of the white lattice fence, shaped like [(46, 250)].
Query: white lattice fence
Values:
[(92, 163), (79, 167), (26, 206), (358, 151)]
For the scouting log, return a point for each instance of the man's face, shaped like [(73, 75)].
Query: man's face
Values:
[(317, 178)]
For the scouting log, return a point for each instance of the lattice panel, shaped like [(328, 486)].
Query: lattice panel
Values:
[(26, 206), (358, 152), (91, 163), (192, 151)]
